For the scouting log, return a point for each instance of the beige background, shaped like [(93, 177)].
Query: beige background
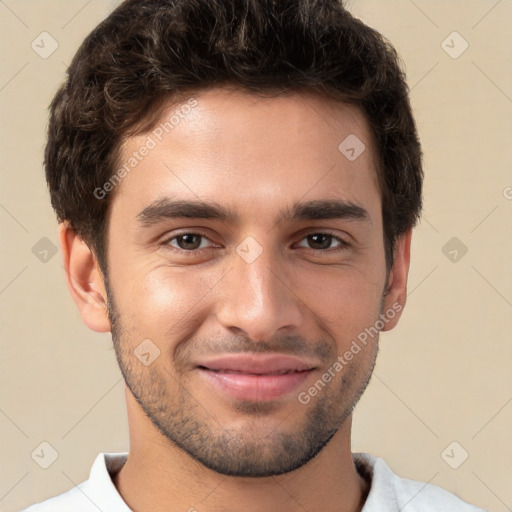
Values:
[(443, 374)]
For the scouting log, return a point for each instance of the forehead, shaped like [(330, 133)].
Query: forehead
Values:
[(250, 152)]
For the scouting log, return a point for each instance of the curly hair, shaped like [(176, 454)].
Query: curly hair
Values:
[(148, 52)]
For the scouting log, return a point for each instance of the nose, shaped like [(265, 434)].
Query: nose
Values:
[(258, 299)]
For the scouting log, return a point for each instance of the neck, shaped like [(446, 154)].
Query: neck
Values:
[(160, 476)]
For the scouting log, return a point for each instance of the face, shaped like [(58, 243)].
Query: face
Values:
[(246, 257)]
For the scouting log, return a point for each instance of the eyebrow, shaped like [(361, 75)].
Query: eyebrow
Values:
[(320, 209)]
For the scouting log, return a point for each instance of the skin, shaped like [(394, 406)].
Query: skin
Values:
[(191, 446)]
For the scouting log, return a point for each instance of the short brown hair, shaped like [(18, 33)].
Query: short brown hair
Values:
[(150, 51)]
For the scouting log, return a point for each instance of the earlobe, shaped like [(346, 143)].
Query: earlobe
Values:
[(84, 279), (396, 292)]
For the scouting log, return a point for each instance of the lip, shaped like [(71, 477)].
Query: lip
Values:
[(257, 378), (258, 364)]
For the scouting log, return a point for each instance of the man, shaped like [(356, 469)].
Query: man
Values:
[(236, 185)]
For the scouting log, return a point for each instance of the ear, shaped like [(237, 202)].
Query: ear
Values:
[(397, 282), (84, 279)]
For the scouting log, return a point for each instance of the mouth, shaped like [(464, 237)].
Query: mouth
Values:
[(277, 372), (257, 378)]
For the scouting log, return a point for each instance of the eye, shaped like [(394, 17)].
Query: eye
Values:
[(190, 243), (322, 242), (187, 242)]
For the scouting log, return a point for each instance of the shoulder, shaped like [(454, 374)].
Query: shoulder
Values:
[(75, 499), (402, 493), (96, 493)]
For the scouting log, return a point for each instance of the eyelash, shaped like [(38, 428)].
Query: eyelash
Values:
[(343, 244)]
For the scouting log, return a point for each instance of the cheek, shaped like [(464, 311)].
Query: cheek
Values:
[(162, 304), (169, 304), (344, 301)]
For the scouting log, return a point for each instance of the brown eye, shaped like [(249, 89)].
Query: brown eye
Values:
[(323, 242), (188, 242)]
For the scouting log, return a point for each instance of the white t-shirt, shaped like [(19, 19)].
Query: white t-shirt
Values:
[(388, 492)]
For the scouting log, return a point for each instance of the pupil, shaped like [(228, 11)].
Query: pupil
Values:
[(188, 242), (324, 245)]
